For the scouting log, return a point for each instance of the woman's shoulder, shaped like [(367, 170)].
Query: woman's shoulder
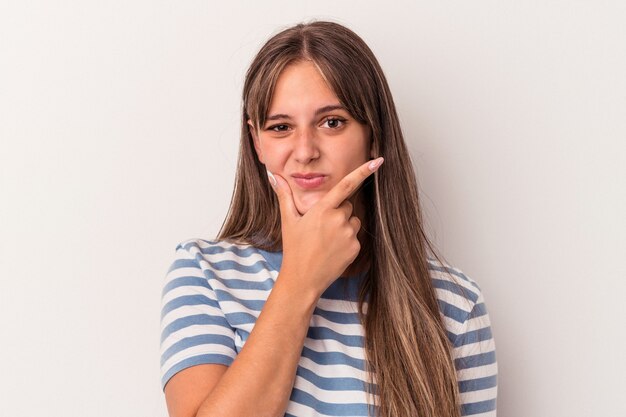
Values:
[(458, 294), (213, 246), (220, 253), (440, 270)]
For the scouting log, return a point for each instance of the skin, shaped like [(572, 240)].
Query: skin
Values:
[(299, 136), (319, 231)]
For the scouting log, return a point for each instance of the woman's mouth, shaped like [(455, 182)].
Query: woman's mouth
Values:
[(309, 181)]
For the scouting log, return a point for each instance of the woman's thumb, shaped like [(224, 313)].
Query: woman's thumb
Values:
[(284, 194)]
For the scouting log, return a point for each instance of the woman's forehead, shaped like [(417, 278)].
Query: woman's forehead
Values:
[(301, 89)]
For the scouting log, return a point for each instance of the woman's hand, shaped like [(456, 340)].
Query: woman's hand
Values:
[(319, 245)]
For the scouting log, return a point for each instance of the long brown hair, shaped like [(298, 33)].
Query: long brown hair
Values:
[(408, 353)]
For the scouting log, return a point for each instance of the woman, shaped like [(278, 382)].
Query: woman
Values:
[(321, 294)]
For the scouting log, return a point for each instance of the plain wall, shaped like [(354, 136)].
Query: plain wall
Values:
[(119, 125)]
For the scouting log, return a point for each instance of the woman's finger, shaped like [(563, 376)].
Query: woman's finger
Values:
[(355, 222), (288, 210), (350, 183), (347, 208)]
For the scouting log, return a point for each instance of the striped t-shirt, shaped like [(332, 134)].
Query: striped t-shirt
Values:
[(214, 292)]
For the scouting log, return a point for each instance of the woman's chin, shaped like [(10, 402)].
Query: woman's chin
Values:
[(305, 202)]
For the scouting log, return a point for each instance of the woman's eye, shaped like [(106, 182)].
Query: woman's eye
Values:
[(279, 128), (333, 122)]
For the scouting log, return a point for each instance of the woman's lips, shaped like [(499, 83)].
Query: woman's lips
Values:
[(309, 182)]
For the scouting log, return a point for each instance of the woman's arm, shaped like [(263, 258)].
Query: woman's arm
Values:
[(475, 361), (259, 381), (318, 247)]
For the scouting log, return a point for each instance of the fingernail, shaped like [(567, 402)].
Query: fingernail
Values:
[(271, 177), (375, 163)]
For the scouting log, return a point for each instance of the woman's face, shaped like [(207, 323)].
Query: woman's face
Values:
[(309, 138)]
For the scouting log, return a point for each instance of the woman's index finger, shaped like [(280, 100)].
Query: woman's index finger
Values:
[(351, 182)]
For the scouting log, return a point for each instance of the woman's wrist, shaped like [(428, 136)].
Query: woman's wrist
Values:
[(296, 287)]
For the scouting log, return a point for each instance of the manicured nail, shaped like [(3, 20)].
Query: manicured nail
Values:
[(375, 163), (271, 177)]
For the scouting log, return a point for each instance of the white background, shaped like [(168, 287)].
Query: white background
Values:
[(119, 130)]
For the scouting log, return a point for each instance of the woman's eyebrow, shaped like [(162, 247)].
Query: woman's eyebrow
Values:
[(319, 111), (278, 116), (329, 108)]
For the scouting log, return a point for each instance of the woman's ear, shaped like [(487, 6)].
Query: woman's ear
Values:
[(255, 140)]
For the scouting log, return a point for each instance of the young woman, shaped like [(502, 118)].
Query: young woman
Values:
[(322, 294)]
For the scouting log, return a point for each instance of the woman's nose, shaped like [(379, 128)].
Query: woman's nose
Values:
[(305, 147)]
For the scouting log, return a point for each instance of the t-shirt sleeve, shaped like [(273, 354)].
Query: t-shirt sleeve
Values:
[(194, 330), (475, 362)]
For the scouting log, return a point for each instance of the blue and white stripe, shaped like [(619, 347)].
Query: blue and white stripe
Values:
[(214, 292)]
